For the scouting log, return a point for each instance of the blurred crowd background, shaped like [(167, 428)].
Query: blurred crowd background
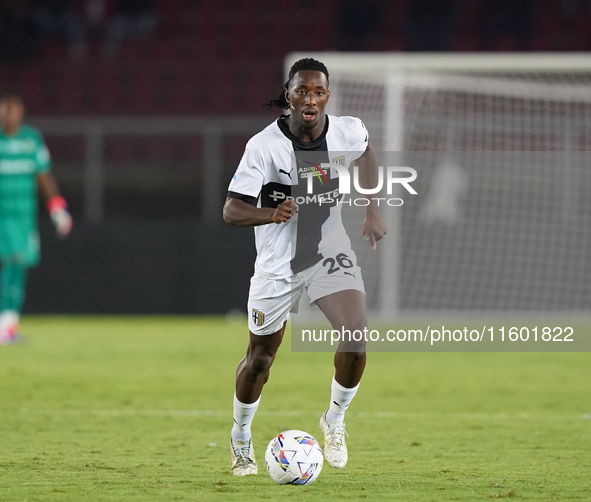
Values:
[(139, 103), (149, 56)]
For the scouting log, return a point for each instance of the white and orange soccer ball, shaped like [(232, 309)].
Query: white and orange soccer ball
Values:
[(294, 457)]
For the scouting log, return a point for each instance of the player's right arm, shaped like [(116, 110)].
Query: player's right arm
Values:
[(242, 214)]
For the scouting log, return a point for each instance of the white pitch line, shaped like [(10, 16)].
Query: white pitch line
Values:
[(120, 412)]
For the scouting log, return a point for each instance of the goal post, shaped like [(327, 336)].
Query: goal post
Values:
[(502, 222)]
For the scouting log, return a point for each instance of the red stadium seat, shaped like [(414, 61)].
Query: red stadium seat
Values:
[(466, 35), (166, 49), (32, 84), (200, 44), (467, 42), (506, 43), (134, 49), (260, 83), (69, 90), (105, 85), (280, 37), (542, 42), (240, 30), (54, 50), (171, 17), (184, 86), (145, 85), (223, 81), (547, 18), (390, 42)]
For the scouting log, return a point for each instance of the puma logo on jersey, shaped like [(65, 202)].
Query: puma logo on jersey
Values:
[(285, 172)]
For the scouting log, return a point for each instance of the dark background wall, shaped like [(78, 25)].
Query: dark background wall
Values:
[(142, 267)]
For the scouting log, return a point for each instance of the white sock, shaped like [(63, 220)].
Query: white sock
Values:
[(340, 399), (243, 415), (8, 319)]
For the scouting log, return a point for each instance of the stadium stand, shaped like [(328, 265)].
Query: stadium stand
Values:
[(219, 56)]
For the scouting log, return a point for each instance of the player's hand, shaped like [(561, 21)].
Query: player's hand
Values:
[(62, 221), (60, 216), (374, 228), (284, 211)]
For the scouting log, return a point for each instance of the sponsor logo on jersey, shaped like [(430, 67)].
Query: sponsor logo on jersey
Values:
[(273, 194), (258, 317), (311, 170), (318, 198), (17, 166), (17, 146)]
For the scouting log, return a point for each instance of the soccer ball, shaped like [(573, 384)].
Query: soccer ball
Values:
[(294, 457)]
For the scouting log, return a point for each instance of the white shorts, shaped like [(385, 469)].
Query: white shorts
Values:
[(271, 300)]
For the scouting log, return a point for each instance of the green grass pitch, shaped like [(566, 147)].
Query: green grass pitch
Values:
[(139, 409)]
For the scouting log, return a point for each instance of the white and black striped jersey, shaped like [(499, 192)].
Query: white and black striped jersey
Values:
[(276, 165)]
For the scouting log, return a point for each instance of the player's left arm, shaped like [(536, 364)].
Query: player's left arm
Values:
[(374, 227), (56, 204)]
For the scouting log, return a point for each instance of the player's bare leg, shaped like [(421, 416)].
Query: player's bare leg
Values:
[(12, 292), (251, 375), (253, 370), (345, 310)]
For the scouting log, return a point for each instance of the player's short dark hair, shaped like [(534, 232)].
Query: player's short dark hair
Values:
[(301, 65), (11, 97)]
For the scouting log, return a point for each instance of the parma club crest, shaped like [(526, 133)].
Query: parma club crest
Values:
[(339, 160), (258, 317)]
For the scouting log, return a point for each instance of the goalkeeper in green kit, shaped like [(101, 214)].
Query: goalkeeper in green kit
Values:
[(24, 166)]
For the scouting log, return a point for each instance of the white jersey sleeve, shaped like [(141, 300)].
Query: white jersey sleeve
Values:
[(358, 137), (249, 176)]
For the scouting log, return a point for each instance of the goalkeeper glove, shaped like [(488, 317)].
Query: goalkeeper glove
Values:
[(59, 215)]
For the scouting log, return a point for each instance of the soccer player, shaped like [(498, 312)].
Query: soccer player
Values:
[(260, 195), (24, 166)]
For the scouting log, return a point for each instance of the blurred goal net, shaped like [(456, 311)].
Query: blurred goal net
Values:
[(502, 146)]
